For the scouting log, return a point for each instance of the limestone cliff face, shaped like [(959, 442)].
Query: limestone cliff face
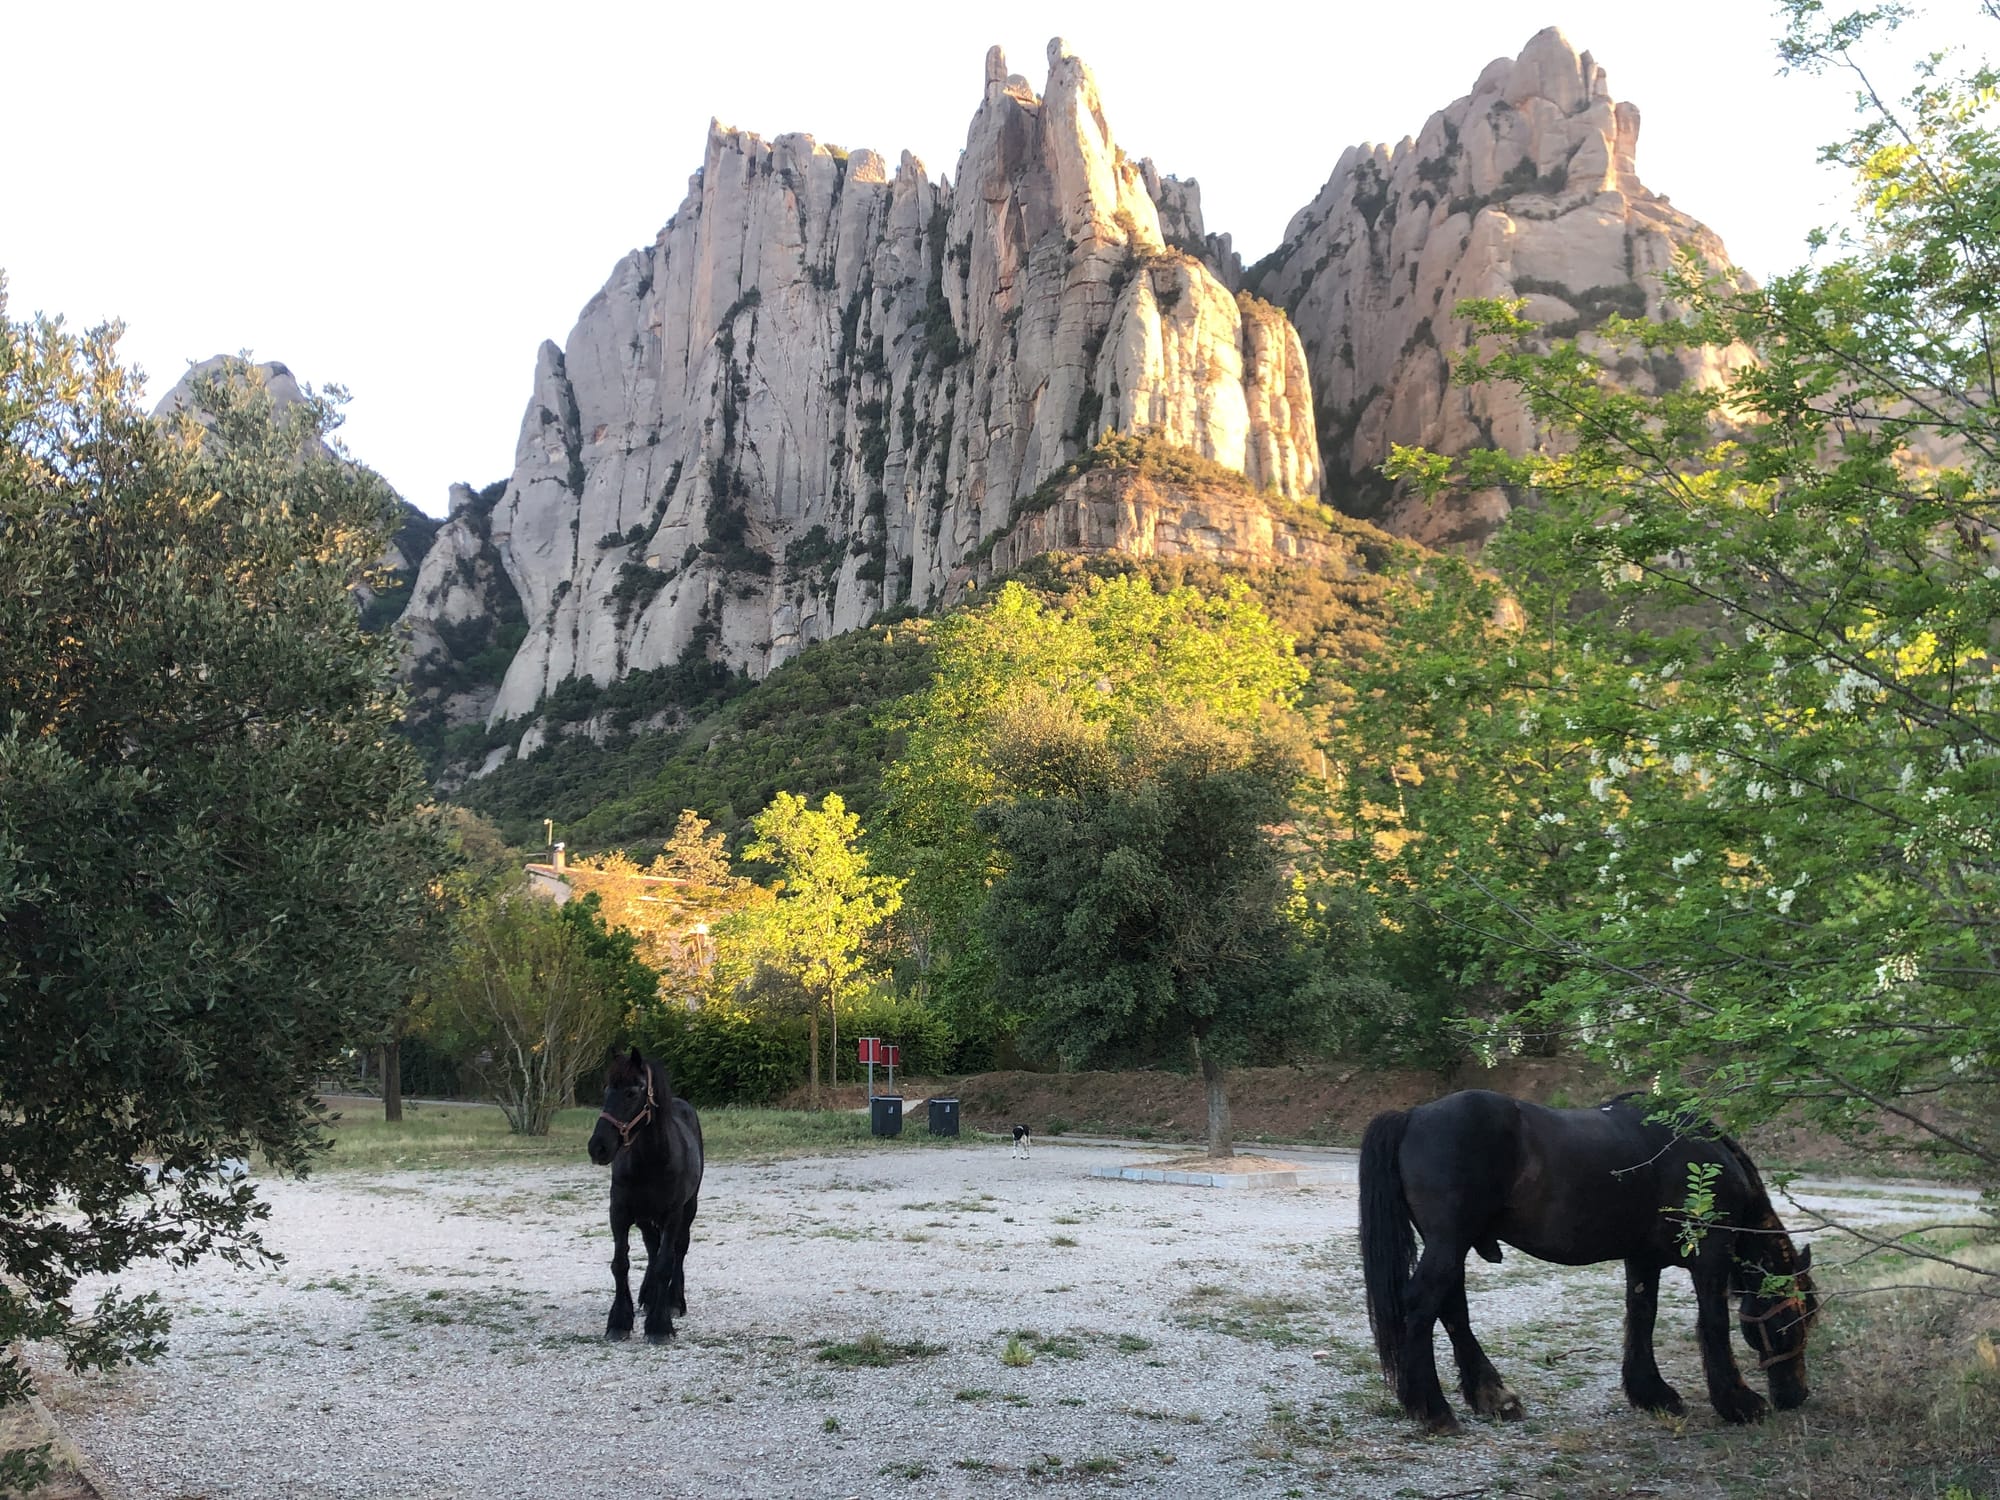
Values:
[(1527, 186), (464, 620), (827, 382), (1113, 510)]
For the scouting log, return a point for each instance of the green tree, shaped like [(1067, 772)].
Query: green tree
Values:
[(535, 996), (1120, 652), (208, 829), (1768, 604), (815, 935), (1142, 915), (1465, 765)]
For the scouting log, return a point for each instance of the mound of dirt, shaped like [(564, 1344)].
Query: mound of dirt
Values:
[(1328, 1105)]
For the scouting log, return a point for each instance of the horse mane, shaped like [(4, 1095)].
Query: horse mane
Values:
[(1760, 1195)]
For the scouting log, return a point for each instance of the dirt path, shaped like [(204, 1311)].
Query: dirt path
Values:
[(437, 1334)]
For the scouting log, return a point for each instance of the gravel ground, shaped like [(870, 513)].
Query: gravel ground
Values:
[(437, 1334)]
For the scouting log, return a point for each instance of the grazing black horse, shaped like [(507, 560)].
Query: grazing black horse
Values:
[(1573, 1186), (653, 1142)]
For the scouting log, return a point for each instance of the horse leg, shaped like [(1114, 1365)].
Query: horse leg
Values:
[(1645, 1388), (653, 1294), (1734, 1400), (1439, 1268), (679, 1258), (619, 1324), (1485, 1392)]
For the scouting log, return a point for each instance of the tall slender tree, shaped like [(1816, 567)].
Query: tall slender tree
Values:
[(829, 904)]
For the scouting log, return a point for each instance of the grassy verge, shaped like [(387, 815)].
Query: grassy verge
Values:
[(460, 1135)]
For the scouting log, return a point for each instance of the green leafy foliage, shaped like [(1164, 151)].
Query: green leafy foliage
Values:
[(534, 997), (208, 832), (725, 1055), (1708, 773), (1117, 653), (1143, 901), (813, 940), (810, 725)]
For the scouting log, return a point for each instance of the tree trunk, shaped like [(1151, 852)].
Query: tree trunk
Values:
[(812, 1036), (392, 1080), (833, 1058), (1221, 1142)]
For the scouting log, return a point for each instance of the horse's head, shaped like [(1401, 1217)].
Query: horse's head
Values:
[(1775, 1322), (631, 1102)]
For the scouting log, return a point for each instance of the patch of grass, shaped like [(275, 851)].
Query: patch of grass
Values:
[(973, 1393), (872, 1351), (909, 1468), (457, 1135), (1016, 1355), (1063, 1241), (1270, 1320), (1131, 1343), (831, 1424), (490, 1309)]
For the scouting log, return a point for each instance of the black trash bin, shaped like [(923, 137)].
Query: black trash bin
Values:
[(885, 1114), (944, 1117)]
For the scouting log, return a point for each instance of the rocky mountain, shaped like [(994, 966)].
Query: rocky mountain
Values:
[(830, 388), (1526, 187), (826, 384)]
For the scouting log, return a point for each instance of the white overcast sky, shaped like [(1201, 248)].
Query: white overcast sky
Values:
[(406, 198)]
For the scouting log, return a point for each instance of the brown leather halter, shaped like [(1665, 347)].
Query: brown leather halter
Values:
[(625, 1128), (1770, 1355)]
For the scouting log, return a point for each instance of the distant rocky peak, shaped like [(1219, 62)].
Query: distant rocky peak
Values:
[(1528, 186)]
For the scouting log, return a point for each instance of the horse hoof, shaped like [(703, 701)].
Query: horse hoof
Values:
[(1444, 1424), (617, 1335), (658, 1338), (1510, 1408), (1744, 1406)]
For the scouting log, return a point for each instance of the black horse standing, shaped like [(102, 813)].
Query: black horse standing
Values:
[(653, 1142), (1573, 1186)]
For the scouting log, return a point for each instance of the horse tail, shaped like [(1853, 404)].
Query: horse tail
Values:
[(1388, 1239)]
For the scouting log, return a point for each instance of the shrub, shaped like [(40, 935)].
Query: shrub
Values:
[(925, 1035), (725, 1056)]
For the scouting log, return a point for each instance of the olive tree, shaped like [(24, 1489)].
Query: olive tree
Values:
[(207, 826)]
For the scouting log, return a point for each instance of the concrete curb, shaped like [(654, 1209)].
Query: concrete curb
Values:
[(86, 1468)]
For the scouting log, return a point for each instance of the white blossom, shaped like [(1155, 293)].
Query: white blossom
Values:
[(1898, 968)]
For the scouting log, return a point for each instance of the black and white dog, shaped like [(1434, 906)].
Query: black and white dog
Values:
[(1021, 1141)]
